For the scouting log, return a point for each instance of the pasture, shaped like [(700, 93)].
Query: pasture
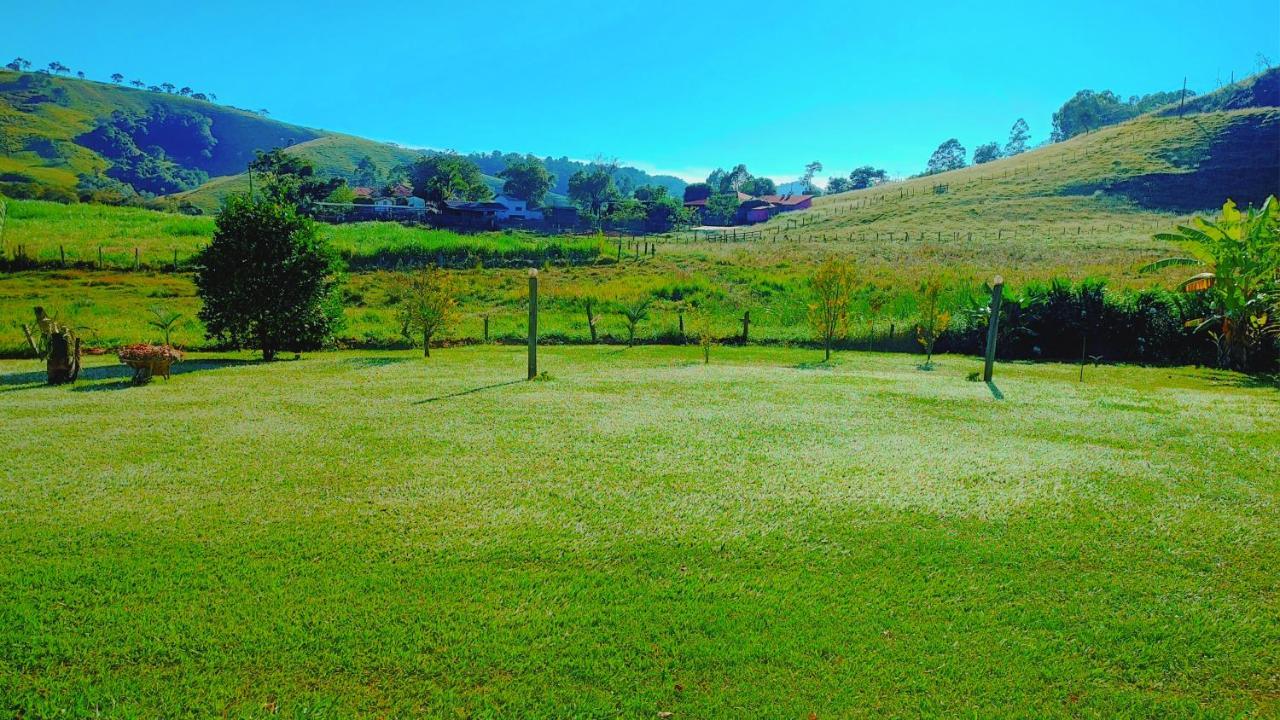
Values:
[(640, 534)]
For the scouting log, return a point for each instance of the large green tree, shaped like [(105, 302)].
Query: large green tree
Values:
[(447, 176), (268, 281), (866, 176), (591, 188), (759, 186), (527, 178), (949, 156), (291, 179), (1019, 135)]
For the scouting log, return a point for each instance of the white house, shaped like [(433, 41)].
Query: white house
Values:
[(416, 202), (383, 204), (516, 209)]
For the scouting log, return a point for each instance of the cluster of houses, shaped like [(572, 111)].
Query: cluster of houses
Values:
[(399, 201), (752, 210)]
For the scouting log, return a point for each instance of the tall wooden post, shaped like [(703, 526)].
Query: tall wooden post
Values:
[(746, 326), (993, 325), (533, 323)]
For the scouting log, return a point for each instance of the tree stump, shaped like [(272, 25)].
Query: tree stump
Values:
[(63, 364)]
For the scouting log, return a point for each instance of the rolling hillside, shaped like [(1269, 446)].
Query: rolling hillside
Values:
[(64, 137), (1124, 175)]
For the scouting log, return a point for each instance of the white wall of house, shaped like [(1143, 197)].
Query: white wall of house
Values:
[(517, 209)]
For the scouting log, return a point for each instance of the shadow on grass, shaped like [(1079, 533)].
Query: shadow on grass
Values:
[(375, 362), (995, 391), (815, 365), (125, 374), (460, 393)]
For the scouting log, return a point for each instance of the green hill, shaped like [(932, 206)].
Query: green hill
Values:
[(63, 138), (1123, 175)]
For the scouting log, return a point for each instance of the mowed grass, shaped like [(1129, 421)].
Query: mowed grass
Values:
[(373, 534)]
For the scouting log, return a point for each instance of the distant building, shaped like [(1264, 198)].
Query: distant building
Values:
[(516, 209), (789, 202), (414, 201), (362, 192)]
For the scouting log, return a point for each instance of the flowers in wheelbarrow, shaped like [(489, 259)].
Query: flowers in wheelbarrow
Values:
[(148, 360), (142, 352)]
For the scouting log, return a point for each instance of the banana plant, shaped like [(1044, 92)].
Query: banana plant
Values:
[(1240, 256)]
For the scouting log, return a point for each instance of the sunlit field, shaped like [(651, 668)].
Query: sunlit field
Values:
[(638, 533)]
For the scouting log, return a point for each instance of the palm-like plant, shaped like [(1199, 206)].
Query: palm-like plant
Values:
[(1240, 254), (164, 321), (634, 313)]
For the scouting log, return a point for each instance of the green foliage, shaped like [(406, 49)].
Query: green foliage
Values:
[(291, 179), (697, 191), (590, 188), (1019, 135), (838, 185), (1240, 254), (950, 155), (1088, 110), (634, 312), (721, 209), (986, 152), (867, 176), (527, 179), (447, 176), (267, 280), (759, 186), (427, 304)]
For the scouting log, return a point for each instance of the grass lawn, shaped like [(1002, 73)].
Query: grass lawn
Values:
[(374, 534)]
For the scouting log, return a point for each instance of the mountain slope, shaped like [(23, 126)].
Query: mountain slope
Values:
[(1154, 164)]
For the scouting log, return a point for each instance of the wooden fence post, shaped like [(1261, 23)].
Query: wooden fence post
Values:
[(993, 324), (137, 261), (533, 323), (746, 326)]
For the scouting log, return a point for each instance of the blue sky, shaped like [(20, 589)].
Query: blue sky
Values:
[(679, 87)]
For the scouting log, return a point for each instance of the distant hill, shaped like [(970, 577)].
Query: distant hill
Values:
[(63, 137), (1224, 145)]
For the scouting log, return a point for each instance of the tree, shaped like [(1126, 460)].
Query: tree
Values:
[(527, 179), (264, 112), (703, 333), (838, 185), (664, 213), (650, 193), (810, 171), (446, 176), (591, 188), (934, 320), (167, 87), (1088, 110), (427, 305), (163, 320), (267, 279), (199, 96), (832, 285), (367, 173), (1019, 135), (56, 68), (697, 191), (137, 83), (721, 209), (117, 78), (949, 156), (634, 313), (866, 176), (986, 153), (1240, 254), (80, 74), (291, 179), (19, 64), (184, 91), (759, 186)]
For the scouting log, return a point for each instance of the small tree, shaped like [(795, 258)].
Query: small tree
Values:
[(933, 319), (164, 320), (268, 280), (832, 284), (1019, 134), (702, 332), (634, 313), (589, 306), (986, 153), (117, 78), (428, 304)]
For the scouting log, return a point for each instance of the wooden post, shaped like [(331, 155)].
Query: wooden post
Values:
[(175, 260), (137, 262), (99, 257), (993, 324), (533, 323), (62, 252), (746, 326), (681, 315), (486, 328)]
